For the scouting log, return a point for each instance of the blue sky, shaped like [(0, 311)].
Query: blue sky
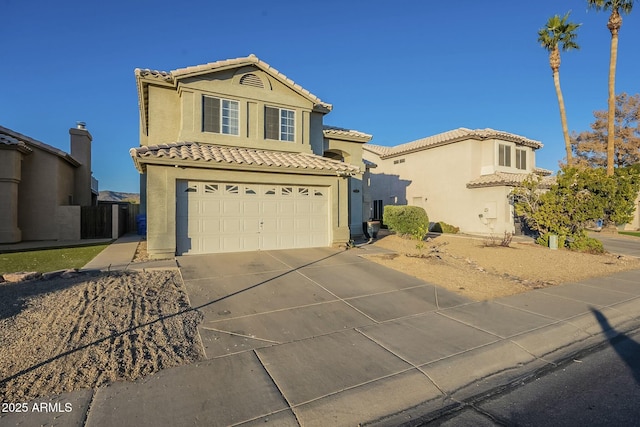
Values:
[(399, 70)]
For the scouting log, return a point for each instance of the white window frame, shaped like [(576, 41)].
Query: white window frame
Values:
[(286, 124), (228, 122), (521, 156), (504, 155)]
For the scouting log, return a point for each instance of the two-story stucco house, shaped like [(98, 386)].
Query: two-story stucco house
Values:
[(234, 156), (42, 187), (462, 177)]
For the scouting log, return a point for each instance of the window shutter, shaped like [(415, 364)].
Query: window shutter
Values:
[(210, 114), (271, 123)]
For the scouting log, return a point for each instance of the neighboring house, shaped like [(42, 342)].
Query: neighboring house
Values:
[(42, 187), (462, 177), (234, 156)]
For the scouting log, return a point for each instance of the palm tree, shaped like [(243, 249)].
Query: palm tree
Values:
[(614, 24), (559, 34)]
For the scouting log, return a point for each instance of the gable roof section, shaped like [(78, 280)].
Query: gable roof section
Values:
[(171, 78), (217, 156), (450, 137), (26, 144), (346, 134)]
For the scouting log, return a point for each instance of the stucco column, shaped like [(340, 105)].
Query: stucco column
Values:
[(342, 230), (10, 174), (161, 213)]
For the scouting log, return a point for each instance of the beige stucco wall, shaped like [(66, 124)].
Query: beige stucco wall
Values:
[(352, 153), (161, 200), (436, 179), (10, 176), (175, 114), (47, 182)]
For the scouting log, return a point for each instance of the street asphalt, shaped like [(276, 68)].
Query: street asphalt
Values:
[(326, 337)]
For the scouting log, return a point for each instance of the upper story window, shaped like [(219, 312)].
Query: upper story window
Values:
[(279, 124), (521, 158), (395, 162), (504, 155), (220, 115)]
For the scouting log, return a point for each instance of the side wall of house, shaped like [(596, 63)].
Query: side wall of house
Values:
[(10, 177), (436, 180), (47, 182)]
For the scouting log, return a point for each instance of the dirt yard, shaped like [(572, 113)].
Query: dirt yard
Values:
[(60, 335), (481, 269)]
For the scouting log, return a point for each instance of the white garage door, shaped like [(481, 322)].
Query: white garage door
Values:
[(214, 217)]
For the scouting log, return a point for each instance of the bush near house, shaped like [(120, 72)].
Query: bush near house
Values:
[(443, 227), (412, 220), (580, 196)]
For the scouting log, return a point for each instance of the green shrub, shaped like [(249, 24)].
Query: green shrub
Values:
[(443, 227), (411, 220), (584, 243)]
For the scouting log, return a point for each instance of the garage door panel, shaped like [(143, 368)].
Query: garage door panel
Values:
[(231, 225), (285, 224), (301, 224), (231, 207), (210, 207), (228, 217), (208, 226), (286, 207), (251, 225), (303, 207), (268, 208)]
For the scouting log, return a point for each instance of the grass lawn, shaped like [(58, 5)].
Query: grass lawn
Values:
[(48, 259), (630, 233)]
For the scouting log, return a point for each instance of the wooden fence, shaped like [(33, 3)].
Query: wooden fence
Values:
[(96, 222)]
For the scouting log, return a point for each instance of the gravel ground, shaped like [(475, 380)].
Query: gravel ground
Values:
[(60, 335), (481, 269)]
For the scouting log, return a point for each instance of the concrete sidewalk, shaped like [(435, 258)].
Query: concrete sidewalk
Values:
[(119, 255), (325, 337)]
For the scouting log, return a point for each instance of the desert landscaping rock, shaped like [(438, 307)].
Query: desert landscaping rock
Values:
[(482, 272), (60, 335)]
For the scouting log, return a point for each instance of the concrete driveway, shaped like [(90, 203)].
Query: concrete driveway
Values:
[(257, 299), (317, 321)]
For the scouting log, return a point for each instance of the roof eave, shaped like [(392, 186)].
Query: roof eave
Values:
[(141, 162)]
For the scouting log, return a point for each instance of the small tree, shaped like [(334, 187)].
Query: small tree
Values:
[(579, 196), (590, 147)]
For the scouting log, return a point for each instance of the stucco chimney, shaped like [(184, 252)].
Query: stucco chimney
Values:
[(81, 151)]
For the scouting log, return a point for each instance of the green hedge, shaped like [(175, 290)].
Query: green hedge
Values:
[(443, 227), (406, 219)]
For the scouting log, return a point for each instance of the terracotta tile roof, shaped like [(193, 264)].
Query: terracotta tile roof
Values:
[(26, 144), (220, 154), (377, 149), (6, 139), (329, 131), (505, 178), (195, 70), (451, 136)]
